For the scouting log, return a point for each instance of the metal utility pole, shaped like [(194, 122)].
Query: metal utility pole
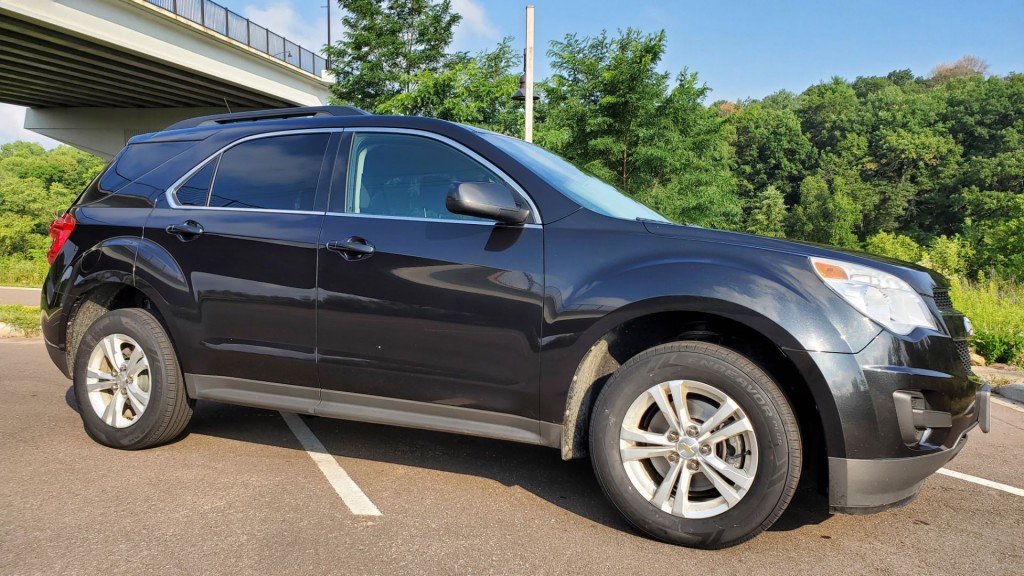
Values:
[(528, 65), (328, 6)]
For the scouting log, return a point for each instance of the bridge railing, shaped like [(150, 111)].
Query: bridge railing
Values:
[(219, 19)]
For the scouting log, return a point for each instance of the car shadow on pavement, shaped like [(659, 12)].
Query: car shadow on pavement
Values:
[(571, 485)]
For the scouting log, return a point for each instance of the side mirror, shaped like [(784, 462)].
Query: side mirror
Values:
[(486, 200)]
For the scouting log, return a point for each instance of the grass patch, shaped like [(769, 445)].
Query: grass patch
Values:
[(20, 271), (24, 318), (996, 307)]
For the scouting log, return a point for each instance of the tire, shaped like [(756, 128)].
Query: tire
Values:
[(738, 453), (139, 403)]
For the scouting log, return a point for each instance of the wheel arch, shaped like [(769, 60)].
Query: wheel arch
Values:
[(728, 326)]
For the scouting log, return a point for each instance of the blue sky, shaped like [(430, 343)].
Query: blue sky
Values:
[(741, 48)]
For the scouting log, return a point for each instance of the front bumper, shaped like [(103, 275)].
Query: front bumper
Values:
[(864, 486)]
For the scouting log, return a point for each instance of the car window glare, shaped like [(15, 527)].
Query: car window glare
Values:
[(588, 191)]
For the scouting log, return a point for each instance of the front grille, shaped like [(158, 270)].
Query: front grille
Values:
[(942, 299), (964, 351)]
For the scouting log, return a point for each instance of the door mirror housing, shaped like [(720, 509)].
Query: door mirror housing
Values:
[(486, 200)]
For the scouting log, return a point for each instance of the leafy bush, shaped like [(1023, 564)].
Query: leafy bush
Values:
[(996, 307), (948, 256), (24, 318), (895, 246)]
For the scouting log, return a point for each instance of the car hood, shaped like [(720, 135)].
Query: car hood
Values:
[(920, 278)]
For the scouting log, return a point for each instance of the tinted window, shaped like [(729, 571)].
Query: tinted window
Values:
[(408, 176), (195, 191), (131, 164), (277, 173)]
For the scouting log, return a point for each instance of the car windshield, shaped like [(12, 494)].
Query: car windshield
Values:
[(582, 188)]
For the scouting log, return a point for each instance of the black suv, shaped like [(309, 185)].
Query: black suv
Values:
[(420, 273)]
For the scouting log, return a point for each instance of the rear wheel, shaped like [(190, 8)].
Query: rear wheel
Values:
[(127, 382), (695, 445)]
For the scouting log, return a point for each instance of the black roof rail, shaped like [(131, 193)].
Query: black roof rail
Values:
[(272, 114)]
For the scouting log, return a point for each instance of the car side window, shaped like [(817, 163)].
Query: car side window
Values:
[(274, 173), (407, 176), (196, 190)]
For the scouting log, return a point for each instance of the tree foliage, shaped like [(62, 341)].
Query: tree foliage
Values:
[(386, 46), (36, 185), (609, 109)]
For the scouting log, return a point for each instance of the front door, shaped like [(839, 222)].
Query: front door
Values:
[(419, 304)]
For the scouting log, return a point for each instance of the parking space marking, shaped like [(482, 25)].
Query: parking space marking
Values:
[(349, 491), (981, 481)]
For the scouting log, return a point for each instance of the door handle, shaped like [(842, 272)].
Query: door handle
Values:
[(354, 248), (187, 230)]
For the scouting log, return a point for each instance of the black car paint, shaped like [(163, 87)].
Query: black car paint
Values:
[(491, 317)]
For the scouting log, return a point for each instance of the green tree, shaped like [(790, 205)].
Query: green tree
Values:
[(36, 185), (606, 93), (829, 112), (609, 109), (824, 215), (386, 45), (771, 149), (768, 218), (471, 90)]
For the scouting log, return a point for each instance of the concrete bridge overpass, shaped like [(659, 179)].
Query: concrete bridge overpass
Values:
[(94, 73)]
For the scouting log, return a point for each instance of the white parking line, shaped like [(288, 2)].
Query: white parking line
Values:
[(349, 491), (981, 481)]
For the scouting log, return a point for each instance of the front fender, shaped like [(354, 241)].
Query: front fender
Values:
[(590, 292)]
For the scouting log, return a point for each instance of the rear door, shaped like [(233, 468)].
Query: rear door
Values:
[(417, 303), (243, 230)]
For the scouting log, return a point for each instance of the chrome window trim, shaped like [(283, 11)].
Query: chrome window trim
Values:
[(171, 194), (422, 219)]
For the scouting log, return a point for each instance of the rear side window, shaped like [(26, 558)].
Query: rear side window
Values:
[(196, 191), (131, 164), (275, 173)]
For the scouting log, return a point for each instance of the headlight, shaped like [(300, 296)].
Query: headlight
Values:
[(882, 297)]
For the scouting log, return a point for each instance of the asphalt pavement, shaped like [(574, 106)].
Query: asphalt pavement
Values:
[(239, 494)]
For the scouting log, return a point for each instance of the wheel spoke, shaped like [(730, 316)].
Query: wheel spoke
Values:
[(682, 500), (678, 389), (665, 489), (138, 399), (723, 487), (110, 414), (137, 362), (724, 411), (645, 452), (644, 437), (732, 429), (111, 346), (665, 405), (737, 476), (97, 381)]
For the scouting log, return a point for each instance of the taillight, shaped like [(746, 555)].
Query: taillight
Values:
[(60, 229)]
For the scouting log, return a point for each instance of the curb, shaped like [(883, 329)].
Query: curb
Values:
[(8, 331), (1013, 392)]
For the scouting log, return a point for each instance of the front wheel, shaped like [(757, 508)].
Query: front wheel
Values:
[(695, 445), (127, 382)]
